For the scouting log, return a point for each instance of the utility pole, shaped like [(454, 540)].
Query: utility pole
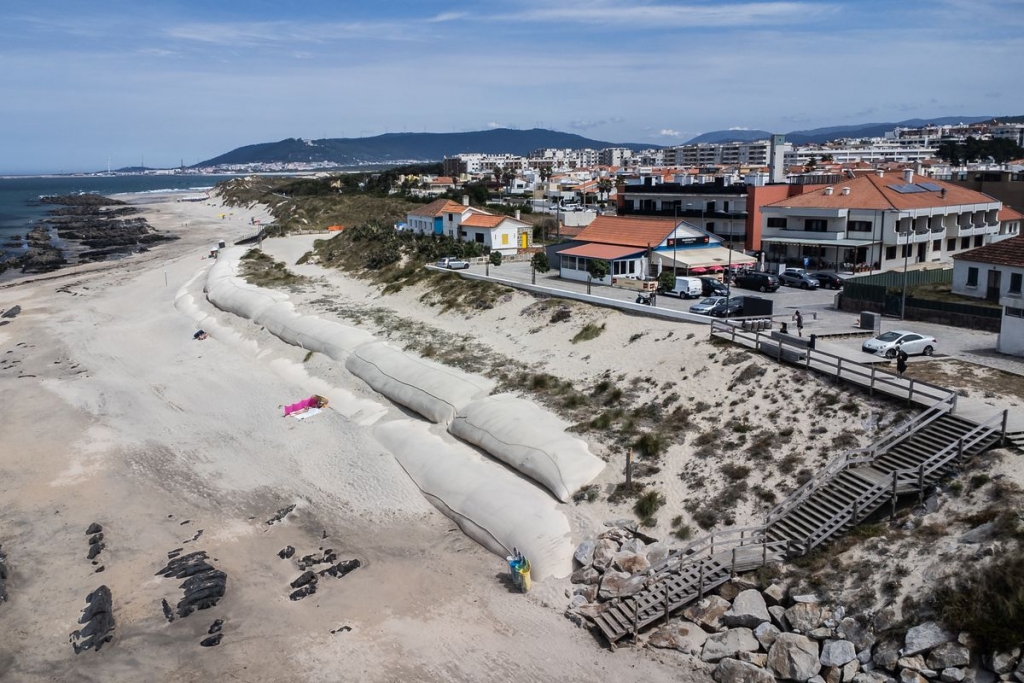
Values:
[(629, 470), (906, 255)]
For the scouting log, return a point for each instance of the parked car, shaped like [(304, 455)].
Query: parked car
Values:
[(796, 277), (452, 263), (762, 282), (828, 280), (712, 286), (726, 308), (707, 305), (911, 342), (687, 288)]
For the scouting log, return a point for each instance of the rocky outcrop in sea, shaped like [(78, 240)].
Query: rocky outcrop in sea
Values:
[(84, 228)]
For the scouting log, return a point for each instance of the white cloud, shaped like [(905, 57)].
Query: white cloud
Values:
[(447, 16), (494, 124), (622, 12), (669, 133), (739, 128)]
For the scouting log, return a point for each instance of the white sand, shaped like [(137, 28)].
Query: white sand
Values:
[(113, 413)]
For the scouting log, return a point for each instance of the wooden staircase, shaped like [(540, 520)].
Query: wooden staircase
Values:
[(906, 461)]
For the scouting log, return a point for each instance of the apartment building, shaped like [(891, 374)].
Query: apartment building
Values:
[(877, 222), (718, 207)]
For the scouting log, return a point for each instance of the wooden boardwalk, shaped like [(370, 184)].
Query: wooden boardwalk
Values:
[(906, 461)]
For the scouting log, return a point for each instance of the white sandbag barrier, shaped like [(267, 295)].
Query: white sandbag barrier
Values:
[(275, 312), (530, 439), (435, 391), (493, 506)]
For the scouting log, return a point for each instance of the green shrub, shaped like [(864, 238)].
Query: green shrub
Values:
[(495, 258), (648, 504), (988, 602), (561, 315), (666, 281), (589, 331), (540, 262), (649, 444), (734, 472)]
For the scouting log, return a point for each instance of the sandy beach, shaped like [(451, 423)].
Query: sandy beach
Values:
[(113, 414)]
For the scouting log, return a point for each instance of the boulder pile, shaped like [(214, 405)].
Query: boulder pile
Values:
[(752, 635), (204, 585)]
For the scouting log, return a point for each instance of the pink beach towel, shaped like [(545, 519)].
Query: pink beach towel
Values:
[(310, 402)]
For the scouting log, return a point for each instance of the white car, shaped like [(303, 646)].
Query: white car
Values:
[(452, 263), (705, 306), (911, 342)]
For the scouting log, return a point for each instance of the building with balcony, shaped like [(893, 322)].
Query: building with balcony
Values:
[(878, 222), (719, 207)]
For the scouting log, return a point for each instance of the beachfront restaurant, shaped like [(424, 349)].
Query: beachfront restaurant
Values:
[(623, 261)]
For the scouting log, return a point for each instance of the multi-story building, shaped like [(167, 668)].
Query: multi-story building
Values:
[(614, 156), (718, 207), (996, 273), (879, 222), (482, 163), (1010, 131)]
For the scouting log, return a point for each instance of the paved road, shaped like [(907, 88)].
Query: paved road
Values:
[(820, 317)]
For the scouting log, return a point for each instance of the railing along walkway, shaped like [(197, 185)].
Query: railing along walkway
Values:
[(863, 375)]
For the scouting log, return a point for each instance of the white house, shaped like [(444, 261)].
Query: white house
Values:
[(499, 233), (996, 273)]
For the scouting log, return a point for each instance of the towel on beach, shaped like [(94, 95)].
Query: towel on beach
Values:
[(306, 413)]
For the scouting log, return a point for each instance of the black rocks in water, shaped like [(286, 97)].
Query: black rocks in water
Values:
[(204, 585), (286, 553), (98, 618), (94, 528), (281, 514), (211, 641), (83, 199)]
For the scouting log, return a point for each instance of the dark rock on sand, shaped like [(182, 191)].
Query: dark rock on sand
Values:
[(98, 619), (211, 641), (286, 553), (204, 585), (215, 626), (94, 528), (341, 569), (305, 578), (281, 514), (11, 312)]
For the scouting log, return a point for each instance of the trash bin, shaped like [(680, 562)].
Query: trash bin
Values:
[(513, 571), (524, 576), (221, 244)]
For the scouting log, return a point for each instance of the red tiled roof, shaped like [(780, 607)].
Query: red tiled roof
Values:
[(602, 251), (480, 220), (628, 231), (874, 192), (1009, 214), (1008, 252), (438, 207)]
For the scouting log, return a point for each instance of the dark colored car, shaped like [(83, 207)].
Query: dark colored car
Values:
[(762, 282), (712, 287), (727, 308), (828, 280), (795, 277)]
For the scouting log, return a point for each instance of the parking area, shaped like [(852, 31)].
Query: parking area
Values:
[(838, 329)]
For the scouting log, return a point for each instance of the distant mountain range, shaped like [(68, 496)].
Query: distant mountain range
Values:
[(408, 147), (397, 148), (821, 135)]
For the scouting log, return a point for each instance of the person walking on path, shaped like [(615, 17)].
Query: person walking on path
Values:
[(901, 361), (799, 323)]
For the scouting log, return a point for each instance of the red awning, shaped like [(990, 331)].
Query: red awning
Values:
[(715, 269), (609, 252), (698, 269)]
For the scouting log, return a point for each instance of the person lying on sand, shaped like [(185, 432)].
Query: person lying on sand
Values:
[(200, 335)]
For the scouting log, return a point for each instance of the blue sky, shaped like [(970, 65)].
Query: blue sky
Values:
[(164, 81)]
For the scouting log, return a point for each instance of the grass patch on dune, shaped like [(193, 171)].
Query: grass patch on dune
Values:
[(589, 331), (261, 270)]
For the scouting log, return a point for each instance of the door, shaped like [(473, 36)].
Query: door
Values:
[(523, 241), (994, 279), (912, 344), (922, 251)]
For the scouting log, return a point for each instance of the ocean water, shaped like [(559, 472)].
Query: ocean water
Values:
[(19, 196)]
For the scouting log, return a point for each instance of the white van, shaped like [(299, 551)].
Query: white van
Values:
[(687, 288)]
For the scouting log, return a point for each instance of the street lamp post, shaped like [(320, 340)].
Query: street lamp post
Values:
[(906, 256)]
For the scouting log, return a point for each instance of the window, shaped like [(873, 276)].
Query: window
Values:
[(859, 226), (937, 245), (479, 237), (951, 244), (906, 251), (1014, 312), (775, 222), (965, 242), (1015, 283), (815, 224), (670, 242), (890, 253), (710, 227), (979, 240), (504, 238), (972, 277)]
